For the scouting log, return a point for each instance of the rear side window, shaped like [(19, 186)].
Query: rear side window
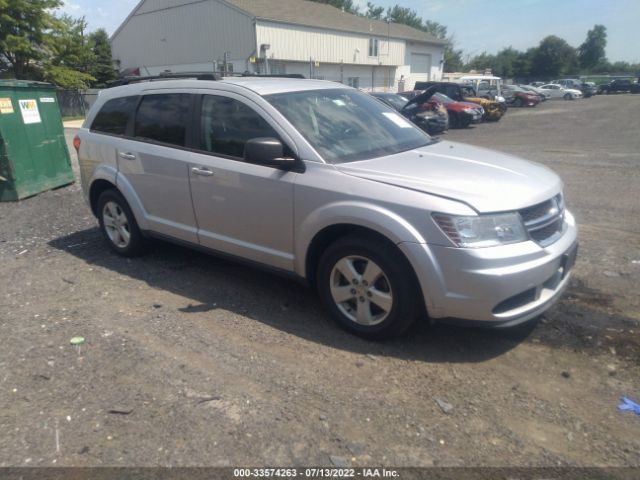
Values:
[(114, 116), (163, 118)]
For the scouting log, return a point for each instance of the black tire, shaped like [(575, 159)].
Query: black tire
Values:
[(453, 120), (396, 280), (567, 96), (517, 102), (464, 121), (135, 245)]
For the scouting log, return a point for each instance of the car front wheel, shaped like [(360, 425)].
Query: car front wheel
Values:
[(368, 287)]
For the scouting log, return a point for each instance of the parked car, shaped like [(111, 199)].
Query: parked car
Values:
[(461, 114), (519, 97), (493, 110), (537, 84), (572, 83), (542, 95), (619, 85), (557, 91), (326, 184), (588, 89), (429, 115), (486, 86)]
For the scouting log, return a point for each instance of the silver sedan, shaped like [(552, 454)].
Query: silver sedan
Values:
[(558, 91)]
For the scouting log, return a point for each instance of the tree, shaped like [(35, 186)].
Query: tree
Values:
[(102, 68), (374, 11), (591, 53), (24, 25), (452, 58), (346, 5), (482, 62), (70, 56), (405, 16), (554, 57)]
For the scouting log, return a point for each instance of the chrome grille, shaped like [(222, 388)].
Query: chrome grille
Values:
[(545, 221)]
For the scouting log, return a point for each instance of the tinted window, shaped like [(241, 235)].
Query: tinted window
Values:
[(227, 124), (163, 118), (114, 115)]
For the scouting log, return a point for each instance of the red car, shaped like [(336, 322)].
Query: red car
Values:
[(519, 97), (461, 114)]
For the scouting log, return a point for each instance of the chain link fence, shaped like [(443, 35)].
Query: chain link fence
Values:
[(76, 103)]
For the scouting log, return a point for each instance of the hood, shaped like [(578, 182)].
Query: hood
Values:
[(423, 97), (486, 180)]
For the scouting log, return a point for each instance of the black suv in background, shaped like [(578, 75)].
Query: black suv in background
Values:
[(620, 85)]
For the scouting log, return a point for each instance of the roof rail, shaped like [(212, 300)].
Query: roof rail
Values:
[(164, 76), (275, 75), (193, 76)]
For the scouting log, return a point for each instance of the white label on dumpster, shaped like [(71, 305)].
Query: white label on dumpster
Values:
[(6, 106), (30, 113), (47, 100)]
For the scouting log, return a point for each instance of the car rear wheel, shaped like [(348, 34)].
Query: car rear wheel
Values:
[(118, 225), (368, 287)]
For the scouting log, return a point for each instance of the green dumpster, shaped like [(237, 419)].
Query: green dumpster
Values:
[(33, 151)]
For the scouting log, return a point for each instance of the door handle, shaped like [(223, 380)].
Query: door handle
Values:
[(127, 155), (202, 171)]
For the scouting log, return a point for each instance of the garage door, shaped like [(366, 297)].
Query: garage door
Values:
[(420, 63)]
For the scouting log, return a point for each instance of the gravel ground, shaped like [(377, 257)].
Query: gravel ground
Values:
[(192, 360)]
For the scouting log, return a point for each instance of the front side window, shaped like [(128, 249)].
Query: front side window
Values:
[(345, 125), (227, 124), (114, 116), (163, 118)]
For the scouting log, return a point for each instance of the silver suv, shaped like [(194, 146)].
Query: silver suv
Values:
[(323, 182)]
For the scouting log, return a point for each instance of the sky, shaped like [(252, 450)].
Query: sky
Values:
[(477, 25)]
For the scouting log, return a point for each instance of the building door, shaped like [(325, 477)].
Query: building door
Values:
[(420, 66)]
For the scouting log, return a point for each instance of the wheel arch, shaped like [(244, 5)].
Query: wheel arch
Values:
[(97, 187), (341, 218)]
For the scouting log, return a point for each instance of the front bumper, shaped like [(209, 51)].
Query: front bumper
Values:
[(499, 286)]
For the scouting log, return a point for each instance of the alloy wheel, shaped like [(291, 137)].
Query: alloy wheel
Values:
[(116, 224), (361, 290)]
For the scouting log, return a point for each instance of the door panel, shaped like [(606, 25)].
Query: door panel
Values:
[(159, 175), (156, 164), (242, 209)]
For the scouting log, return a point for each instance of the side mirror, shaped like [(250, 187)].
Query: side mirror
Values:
[(267, 151)]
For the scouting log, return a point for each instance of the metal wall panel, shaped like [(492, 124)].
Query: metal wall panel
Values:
[(196, 32), (299, 43)]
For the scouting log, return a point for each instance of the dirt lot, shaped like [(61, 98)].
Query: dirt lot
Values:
[(192, 360)]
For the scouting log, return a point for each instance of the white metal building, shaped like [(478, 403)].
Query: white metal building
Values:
[(275, 36)]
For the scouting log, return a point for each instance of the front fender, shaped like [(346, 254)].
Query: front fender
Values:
[(373, 217)]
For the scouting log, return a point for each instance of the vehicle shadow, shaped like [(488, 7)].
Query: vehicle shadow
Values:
[(207, 283)]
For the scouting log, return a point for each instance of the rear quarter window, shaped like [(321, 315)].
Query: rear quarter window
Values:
[(114, 116)]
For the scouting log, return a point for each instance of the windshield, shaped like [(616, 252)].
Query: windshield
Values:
[(442, 98), (347, 125), (397, 101)]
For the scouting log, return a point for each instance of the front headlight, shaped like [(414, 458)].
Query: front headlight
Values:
[(482, 230)]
